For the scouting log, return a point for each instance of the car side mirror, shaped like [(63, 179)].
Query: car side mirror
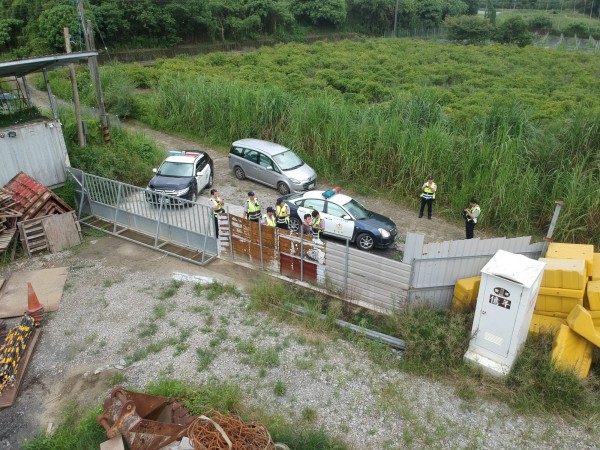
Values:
[(198, 174), (269, 167), (346, 217), (155, 170)]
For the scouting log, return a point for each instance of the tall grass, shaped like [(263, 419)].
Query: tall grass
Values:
[(500, 158)]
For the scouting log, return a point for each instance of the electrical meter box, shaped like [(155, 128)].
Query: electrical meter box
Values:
[(507, 293)]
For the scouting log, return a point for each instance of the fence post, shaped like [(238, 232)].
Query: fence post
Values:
[(301, 254), (117, 208), (260, 244), (230, 232), (82, 196), (158, 220), (346, 269), (206, 230)]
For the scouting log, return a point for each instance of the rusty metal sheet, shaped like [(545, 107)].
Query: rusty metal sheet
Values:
[(294, 268)]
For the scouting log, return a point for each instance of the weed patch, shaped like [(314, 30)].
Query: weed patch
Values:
[(215, 290)]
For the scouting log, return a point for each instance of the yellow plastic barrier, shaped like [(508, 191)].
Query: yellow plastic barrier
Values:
[(596, 267), (553, 303), (572, 352), (545, 324), (564, 273), (580, 321), (593, 295), (465, 293), (557, 250)]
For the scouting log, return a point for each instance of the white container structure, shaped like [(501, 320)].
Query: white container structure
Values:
[(508, 290)]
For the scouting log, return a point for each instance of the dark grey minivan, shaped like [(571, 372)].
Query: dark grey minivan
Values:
[(271, 164)]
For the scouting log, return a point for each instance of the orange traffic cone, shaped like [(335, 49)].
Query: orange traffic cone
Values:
[(33, 304)]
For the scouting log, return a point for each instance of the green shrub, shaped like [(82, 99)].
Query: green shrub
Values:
[(540, 24), (128, 158)]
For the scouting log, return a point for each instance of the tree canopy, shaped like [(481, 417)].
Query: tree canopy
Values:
[(35, 26)]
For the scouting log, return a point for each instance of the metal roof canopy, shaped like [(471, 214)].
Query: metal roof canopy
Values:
[(24, 67)]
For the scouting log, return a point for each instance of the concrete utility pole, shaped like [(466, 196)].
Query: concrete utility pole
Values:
[(96, 77), (73, 75), (88, 35)]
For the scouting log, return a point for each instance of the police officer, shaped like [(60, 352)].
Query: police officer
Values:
[(282, 214), (252, 208), (471, 214), (317, 225), (427, 196), (269, 218), (217, 205)]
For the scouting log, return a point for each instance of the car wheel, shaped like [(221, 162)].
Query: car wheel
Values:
[(283, 188), (365, 241), (210, 180), (294, 224), (239, 173)]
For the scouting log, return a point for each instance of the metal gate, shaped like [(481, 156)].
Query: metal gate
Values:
[(178, 227)]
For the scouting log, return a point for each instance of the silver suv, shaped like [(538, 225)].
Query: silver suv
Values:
[(271, 164)]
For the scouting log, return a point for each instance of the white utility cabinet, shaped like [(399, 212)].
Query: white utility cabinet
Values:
[(507, 293)]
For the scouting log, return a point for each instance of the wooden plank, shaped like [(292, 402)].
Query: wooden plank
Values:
[(62, 231), (9, 393), (290, 267), (48, 285)]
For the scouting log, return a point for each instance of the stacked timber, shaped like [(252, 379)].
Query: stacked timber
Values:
[(8, 219)]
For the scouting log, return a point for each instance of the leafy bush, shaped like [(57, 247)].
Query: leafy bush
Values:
[(578, 29), (541, 24), (514, 31), (469, 29)]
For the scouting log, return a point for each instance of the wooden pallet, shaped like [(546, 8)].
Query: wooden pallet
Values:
[(33, 236)]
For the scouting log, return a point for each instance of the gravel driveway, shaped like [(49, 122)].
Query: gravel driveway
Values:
[(116, 289)]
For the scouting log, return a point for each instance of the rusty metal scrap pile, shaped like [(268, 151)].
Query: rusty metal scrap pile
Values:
[(214, 431), (12, 349)]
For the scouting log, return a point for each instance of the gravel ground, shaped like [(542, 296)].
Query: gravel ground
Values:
[(113, 292)]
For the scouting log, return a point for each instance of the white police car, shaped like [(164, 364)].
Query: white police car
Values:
[(344, 218)]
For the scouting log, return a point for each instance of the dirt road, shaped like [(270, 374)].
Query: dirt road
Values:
[(234, 192)]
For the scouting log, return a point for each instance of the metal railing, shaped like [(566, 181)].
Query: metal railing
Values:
[(166, 223)]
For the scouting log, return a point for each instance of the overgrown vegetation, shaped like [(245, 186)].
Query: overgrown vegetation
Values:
[(381, 115), (79, 431), (129, 158), (436, 341), (83, 434)]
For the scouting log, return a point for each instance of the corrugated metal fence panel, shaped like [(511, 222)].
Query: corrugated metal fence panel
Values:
[(440, 264), (38, 149), (373, 281)]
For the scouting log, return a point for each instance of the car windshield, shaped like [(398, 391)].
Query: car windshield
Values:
[(357, 210), (174, 169), (288, 160)]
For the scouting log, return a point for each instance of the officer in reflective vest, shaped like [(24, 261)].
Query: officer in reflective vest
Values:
[(252, 208), (282, 214), (269, 218), (471, 214), (428, 196), (217, 205), (317, 225)]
